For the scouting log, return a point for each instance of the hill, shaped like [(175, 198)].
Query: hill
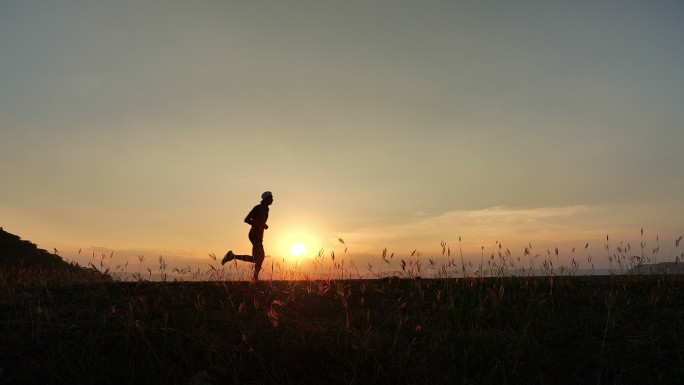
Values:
[(20, 253), (17, 254)]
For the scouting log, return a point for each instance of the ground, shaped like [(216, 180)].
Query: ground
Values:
[(542, 330)]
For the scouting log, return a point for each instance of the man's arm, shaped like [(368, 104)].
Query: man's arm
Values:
[(253, 219)]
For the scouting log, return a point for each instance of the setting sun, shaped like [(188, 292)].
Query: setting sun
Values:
[(298, 241), (298, 250)]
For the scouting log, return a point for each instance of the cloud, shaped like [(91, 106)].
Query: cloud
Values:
[(500, 214), (493, 216), (545, 226)]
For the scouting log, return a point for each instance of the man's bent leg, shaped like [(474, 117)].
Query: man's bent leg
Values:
[(246, 258)]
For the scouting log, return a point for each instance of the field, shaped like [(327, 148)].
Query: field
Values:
[(500, 330)]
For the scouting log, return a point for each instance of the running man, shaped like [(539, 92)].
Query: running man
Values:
[(257, 219)]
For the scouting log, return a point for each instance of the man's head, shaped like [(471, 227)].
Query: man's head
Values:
[(267, 197)]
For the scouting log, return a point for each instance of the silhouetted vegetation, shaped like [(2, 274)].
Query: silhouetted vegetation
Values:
[(16, 252), (24, 261), (613, 330), (551, 329)]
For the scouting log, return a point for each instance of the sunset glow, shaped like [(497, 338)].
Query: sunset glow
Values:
[(152, 129), (298, 250)]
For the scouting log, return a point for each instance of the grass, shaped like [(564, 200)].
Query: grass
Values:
[(503, 327)]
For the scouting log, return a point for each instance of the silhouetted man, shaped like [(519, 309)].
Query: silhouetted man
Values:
[(257, 219)]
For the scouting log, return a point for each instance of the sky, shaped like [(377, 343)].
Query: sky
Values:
[(152, 127)]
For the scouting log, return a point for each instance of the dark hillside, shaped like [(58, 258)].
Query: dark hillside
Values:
[(21, 255)]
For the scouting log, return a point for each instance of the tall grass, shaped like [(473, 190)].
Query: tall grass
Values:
[(508, 318)]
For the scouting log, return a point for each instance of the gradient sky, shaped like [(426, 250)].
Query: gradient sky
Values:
[(152, 127)]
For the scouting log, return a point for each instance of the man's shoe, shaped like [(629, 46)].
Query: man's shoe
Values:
[(229, 257)]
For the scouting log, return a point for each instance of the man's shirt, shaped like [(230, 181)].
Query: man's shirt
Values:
[(258, 217)]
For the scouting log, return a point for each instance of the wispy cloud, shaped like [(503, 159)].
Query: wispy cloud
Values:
[(486, 219), (510, 225)]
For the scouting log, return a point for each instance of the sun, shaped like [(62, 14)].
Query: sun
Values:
[(298, 250)]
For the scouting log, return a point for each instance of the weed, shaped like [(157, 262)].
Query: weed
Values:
[(524, 318)]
